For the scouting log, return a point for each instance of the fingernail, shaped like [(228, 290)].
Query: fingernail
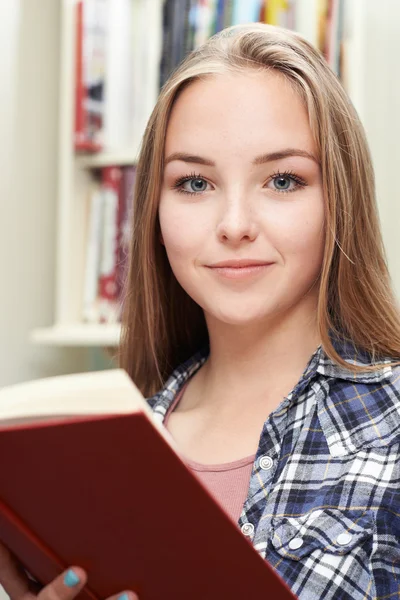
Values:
[(71, 578), (123, 596)]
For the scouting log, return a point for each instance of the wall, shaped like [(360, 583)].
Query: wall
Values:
[(29, 54), (382, 117)]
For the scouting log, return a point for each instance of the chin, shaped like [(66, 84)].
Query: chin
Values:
[(241, 317)]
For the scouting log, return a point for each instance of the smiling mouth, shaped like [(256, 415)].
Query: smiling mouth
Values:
[(240, 272)]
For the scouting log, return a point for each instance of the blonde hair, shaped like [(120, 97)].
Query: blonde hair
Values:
[(161, 325)]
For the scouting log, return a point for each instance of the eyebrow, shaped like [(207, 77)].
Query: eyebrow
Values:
[(259, 160)]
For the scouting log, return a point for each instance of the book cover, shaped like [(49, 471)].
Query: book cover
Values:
[(219, 20), (90, 74), (104, 487), (166, 53), (151, 61), (228, 13), (275, 12), (190, 25)]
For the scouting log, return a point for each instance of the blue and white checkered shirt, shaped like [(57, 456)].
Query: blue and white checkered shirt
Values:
[(323, 505)]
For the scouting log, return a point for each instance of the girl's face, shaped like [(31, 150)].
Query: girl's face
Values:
[(242, 183)]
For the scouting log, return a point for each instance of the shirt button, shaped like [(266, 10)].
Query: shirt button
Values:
[(266, 463), (344, 538), (247, 529), (296, 543)]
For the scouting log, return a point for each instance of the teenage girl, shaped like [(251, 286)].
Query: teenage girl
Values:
[(259, 319)]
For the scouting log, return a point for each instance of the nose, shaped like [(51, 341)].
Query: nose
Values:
[(237, 221)]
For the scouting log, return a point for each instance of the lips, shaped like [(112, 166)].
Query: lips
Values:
[(243, 269), (239, 263)]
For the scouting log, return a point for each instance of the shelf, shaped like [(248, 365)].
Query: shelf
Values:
[(79, 334), (103, 159)]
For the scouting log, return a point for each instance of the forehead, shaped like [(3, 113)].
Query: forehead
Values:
[(239, 111)]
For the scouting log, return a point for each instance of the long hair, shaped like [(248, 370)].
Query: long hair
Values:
[(161, 325)]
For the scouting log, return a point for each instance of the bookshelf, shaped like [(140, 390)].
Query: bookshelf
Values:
[(118, 158), (76, 173), (78, 334)]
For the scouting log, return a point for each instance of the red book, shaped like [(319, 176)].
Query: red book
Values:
[(92, 479), (89, 75)]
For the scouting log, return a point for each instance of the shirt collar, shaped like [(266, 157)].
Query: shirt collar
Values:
[(162, 400), (353, 356)]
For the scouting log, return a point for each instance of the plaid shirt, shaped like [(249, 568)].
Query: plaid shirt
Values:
[(323, 505)]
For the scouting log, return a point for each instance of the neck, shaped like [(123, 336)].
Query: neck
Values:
[(257, 361)]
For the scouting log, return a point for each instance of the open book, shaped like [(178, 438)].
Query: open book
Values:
[(89, 477)]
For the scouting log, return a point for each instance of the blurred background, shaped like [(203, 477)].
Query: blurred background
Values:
[(79, 81)]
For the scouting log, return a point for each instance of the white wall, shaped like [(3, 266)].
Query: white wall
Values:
[(29, 54), (374, 87), (382, 117)]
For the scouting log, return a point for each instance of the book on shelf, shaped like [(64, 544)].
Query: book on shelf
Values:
[(333, 41), (108, 235), (117, 71), (91, 297), (101, 484), (110, 242), (90, 57)]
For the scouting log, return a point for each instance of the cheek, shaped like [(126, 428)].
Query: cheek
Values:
[(184, 236), (183, 232), (300, 235)]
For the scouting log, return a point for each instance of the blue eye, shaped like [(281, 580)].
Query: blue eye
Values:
[(286, 182), (196, 183), (282, 183)]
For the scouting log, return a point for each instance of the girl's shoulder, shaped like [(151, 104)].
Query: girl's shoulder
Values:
[(362, 411)]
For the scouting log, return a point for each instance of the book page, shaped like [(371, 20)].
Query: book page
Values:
[(100, 392)]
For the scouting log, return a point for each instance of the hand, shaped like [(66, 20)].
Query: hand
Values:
[(64, 587)]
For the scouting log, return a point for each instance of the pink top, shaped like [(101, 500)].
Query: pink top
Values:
[(228, 482)]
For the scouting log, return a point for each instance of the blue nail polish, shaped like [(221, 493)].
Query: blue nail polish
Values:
[(71, 578), (123, 597)]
